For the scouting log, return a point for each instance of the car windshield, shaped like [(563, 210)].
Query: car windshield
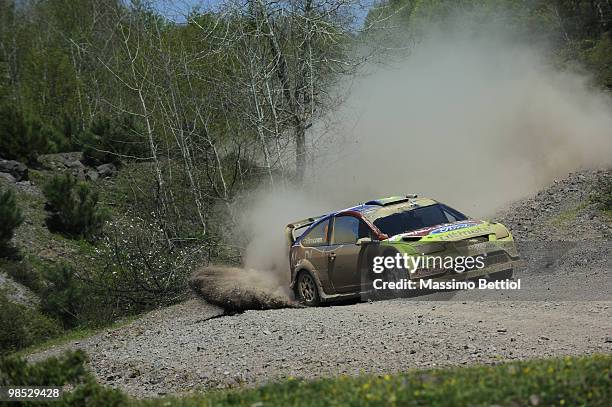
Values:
[(417, 218)]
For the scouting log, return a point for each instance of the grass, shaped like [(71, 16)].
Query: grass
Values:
[(607, 214), (75, 334), (570, 381), (564, 219)]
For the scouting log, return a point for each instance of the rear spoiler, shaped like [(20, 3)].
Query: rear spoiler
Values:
[(290, 228)]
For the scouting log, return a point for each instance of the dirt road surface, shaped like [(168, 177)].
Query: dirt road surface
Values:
[(563, 308)]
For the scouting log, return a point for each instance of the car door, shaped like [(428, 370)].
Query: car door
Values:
[(344, 264), (316, 248)]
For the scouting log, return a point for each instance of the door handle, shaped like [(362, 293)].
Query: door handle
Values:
[(332, 256)]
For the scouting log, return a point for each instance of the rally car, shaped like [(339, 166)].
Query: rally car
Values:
[(331, 256)]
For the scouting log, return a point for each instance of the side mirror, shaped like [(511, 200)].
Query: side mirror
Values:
[(363, 240)]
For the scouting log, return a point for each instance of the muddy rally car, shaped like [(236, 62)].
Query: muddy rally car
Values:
[(334, 256)]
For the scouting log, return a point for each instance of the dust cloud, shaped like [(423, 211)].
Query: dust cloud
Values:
[(475, 121)]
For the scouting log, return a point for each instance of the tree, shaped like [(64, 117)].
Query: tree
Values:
[(74, 207), (291, 52), (10, 217)]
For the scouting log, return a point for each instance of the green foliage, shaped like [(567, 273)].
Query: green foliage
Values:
[(576, 31), (69, 369), (23, 272), (92, 394), (571, 381), (142, 268), (110, 139), (602, 195), (23, 137), (10, 217), (22, 326), (64, 296), (599, 59), (74, 207)]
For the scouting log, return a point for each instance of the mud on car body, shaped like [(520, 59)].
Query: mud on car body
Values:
[(331, 256)]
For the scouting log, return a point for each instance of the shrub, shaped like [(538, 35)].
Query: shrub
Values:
[(64, 296), (23, 137), (599, 59), (108, 140), (142, 270), (68, 369), (570, 381), (74, 207), (22, 326), (602, 193), (10, 218), (23, 272)]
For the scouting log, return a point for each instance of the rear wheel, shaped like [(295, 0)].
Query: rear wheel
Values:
[(306, 290)]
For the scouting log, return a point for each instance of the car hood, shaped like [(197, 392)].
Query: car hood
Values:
[(447, 232)]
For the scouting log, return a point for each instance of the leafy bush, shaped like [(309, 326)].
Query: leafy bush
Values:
[(23, 272), (74, 207), (110, 139), (70, 368), (67, 369), (10, 218), (65, 296), (142, 269), (22, 326), (602, 193), (599, 59), (23, 137)]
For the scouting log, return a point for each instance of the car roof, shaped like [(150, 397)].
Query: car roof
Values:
[(375, 209), (390, 204)]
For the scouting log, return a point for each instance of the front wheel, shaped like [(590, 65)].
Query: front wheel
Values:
[(307, 292)]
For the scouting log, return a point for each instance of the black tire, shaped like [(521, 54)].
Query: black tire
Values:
[(306, 290), (395, 275)]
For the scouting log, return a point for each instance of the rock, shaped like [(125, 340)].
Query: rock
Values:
[(75, 164), (77, 169), (8, 177), (78, 173), (92, 175), (107, 170), (60, 160), (18, 170)]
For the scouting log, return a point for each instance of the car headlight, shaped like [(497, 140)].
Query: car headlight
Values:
[(501, 232)]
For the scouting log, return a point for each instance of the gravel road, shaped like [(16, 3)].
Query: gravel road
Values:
[(563, 308)]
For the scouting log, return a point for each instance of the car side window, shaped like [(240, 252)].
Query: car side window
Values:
[(452, 215), (317, 236), (347, 229)]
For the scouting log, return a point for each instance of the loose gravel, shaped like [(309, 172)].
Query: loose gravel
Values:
[(563, 308)]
